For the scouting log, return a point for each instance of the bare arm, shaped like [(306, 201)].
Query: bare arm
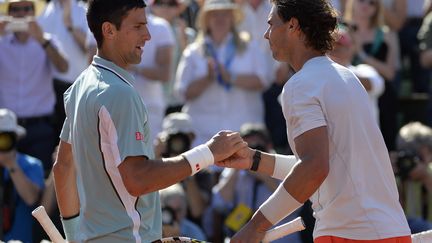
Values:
[(162, 70), (305, 178), (386, 69), (65, 181), (78, 35), (57, 59), (197, 87), (395, 17), (159, 174), (26, 189)]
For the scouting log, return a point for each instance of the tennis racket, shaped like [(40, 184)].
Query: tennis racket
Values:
[(278, 232)]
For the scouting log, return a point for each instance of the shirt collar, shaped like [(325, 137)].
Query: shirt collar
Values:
[(110, 66)]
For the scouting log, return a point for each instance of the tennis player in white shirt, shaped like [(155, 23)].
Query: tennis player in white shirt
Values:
[(340, 159)]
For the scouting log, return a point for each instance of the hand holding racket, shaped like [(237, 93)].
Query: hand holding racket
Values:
[(293, 226)]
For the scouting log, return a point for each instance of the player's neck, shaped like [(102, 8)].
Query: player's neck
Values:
[(302, 56), (112, 57)]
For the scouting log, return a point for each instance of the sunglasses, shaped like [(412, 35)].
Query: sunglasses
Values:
[(370, 2), (167, 3), (25, 9)]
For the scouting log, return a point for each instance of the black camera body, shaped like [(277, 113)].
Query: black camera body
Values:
[(406, 161), (8, 141), (176, 144)]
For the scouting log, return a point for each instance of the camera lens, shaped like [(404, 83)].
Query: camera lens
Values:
[(8, 141), (177, 144)]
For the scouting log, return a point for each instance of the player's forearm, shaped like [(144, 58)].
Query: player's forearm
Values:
[(310, 174), (66, 190), (267, 164), (142, 177)]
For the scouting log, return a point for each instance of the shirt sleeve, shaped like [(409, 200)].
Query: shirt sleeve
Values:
[(302, 107), (165, 34), (66, 129), (32, 168), (191, 67)]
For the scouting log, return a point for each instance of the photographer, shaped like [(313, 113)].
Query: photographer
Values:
[(22, 181), (174, 209), (412, 164)]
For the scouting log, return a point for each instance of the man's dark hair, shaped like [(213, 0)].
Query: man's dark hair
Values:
[(113, 11), (317, 19)]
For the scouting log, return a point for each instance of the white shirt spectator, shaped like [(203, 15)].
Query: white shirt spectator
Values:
[(218, 108), (255, 23), (26, 77), (52, 22)]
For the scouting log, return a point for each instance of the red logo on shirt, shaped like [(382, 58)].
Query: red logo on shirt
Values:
[(139, 136), (197, 167)]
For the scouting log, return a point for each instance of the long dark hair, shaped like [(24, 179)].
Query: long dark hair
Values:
[(317, 19)]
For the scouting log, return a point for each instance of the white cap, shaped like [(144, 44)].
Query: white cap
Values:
[(177, 122), (8, 123)]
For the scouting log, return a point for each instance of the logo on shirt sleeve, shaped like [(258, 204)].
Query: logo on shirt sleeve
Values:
[(139, 136)]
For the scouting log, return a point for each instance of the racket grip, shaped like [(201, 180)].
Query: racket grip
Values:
[(422, 237), (40, 214), (283, 230)]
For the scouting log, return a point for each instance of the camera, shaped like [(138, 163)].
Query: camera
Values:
[(168, 216), (406, 161), (17, 25), (176, 144), (8, 141)]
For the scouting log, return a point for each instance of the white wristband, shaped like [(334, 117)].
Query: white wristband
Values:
[(199, 158), (283, 165), (279, 205)]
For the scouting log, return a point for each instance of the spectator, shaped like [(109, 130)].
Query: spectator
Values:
[(155, 70), (418, 76), (414, 169), (375, 48), (395, 12), (425, 46), (170, 10), (67, 21), (174, 203), (343, 52), (22, 183), (28, 58), (221, 73)]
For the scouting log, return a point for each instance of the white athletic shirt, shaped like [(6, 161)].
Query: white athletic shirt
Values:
[(358, 199)]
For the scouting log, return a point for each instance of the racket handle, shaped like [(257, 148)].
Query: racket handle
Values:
[(422, 237), (40, 214), (283, 230)]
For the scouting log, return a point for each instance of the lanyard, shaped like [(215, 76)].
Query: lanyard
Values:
[(230, 54)]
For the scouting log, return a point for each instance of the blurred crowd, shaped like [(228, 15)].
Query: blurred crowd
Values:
[(207, 69)]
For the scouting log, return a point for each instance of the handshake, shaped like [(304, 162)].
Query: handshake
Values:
[(226, 149)]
